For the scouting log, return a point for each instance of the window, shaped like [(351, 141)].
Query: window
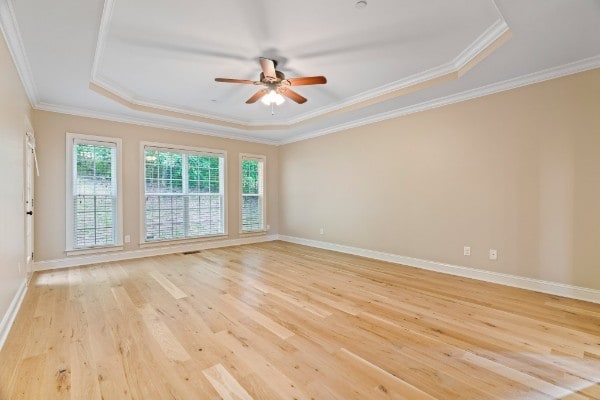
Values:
[(184, 193), (253, 190), (93, 192)]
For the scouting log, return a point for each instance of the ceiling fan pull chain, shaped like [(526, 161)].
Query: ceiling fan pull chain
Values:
[(272, 108)]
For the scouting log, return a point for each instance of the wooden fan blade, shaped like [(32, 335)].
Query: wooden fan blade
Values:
[(293, 95), (228, 80), (268, 67), (309, 80), (257, 96)]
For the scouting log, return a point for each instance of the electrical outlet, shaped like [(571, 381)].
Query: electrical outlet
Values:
[(127, 238), (493, 254), (467, 251), (322, 231)]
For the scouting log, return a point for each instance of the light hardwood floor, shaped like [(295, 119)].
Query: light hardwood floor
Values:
[(282, 321)]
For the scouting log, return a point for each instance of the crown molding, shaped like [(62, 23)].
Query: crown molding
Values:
[(479, 45), (492, 34), (105, 21), (529, 79), (124, 95), (514, 83), (10, 30), (210, 131)]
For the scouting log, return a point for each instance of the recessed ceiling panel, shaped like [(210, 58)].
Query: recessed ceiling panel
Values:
[(167, 54)]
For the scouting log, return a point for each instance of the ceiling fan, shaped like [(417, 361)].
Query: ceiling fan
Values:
[(276, 84)]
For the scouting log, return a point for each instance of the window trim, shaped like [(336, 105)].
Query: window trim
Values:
[(263, 159), (142, 201), (71, 138)]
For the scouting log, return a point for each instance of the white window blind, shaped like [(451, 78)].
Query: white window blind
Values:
[(253, 189), (184, 193), (94, 194)]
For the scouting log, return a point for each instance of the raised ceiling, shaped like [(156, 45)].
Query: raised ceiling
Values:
[(154, 62)]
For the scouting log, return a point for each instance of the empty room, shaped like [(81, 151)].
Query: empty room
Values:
[(347, 199)]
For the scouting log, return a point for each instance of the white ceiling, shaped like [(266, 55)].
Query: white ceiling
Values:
[(165, 56)]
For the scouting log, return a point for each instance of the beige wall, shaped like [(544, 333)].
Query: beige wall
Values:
[(14, 109), (518, 171), (50, 187)]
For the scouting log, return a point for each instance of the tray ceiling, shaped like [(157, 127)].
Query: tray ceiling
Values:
[(154, 62)]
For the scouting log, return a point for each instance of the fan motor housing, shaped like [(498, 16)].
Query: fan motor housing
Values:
[(280, 77)]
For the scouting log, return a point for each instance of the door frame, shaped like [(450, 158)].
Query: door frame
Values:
[(29, 162)]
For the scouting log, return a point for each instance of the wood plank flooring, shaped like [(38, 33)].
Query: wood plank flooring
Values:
[(281, 321)]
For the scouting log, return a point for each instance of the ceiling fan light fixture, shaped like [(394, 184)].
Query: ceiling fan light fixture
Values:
[(272, 98)]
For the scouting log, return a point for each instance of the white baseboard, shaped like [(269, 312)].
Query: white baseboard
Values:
[(147, 252), (559, 289), (11, 313)]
